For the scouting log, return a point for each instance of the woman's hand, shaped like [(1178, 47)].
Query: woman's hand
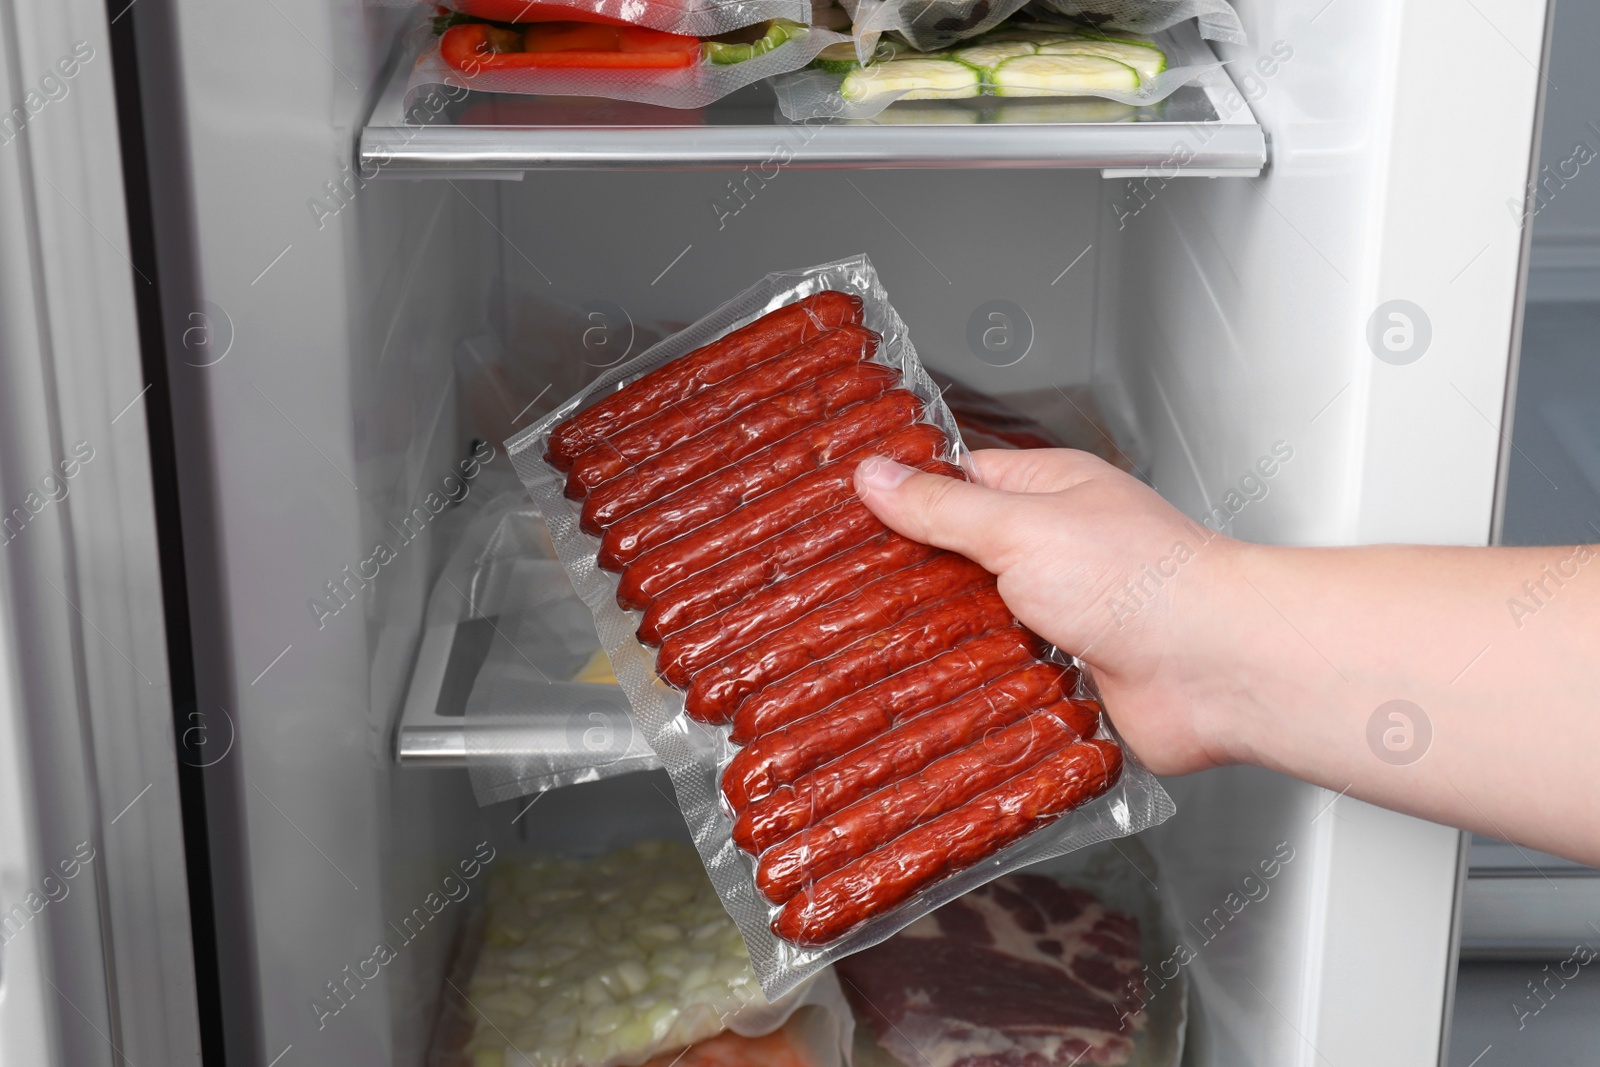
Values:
[(1097, 563)]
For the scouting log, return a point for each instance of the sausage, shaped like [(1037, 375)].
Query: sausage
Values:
[(719, 689), (760, 566), (781, 462), (918, 637), (733, 439), (883, 815), (767, 515), (779, 604), (680, 421), (671, 607), (993, 676), (888, 876), (901, 751), (774, 332)]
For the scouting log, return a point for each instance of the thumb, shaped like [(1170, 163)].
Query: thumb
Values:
[(949, 513)]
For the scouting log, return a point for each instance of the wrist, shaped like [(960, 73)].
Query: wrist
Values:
[(1241, 672)]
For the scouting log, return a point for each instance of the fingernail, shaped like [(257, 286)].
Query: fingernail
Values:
[(880, 473)]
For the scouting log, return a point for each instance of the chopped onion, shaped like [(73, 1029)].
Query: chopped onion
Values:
[(606, 962)]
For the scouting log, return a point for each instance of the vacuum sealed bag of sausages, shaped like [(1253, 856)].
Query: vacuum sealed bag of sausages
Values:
[(857, 728)]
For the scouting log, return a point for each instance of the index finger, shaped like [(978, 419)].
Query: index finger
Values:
[(1036, 470)]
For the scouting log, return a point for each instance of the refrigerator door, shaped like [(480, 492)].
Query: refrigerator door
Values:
[(1357, 304), (96, 965)]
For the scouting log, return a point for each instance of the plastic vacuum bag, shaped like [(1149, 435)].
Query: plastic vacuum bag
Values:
[(1018, 420), (692, 18), (616, 960), (1081, 952), (819, 94), (545, 711), (508, 640), (695, 85), (1216, 19), (927, 25), (696, 754), (932, 25)]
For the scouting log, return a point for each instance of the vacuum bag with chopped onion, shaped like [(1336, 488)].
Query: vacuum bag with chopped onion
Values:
[(1025, 62), (618, 961), (616, 61), (857, 728)]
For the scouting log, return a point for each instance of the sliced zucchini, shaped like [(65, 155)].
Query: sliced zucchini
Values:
[(1147, 59), (913, 79), (1095, 33), (992, 53), (1042, 38), (1062, 76), (839, 58)]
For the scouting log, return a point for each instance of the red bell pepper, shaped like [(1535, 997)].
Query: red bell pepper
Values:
[(474, 47)]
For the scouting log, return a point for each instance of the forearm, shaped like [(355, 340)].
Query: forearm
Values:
[(1494, 653)]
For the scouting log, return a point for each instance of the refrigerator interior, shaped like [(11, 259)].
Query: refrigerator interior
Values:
[(1214, 319)]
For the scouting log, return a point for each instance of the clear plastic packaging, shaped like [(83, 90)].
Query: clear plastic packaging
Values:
[(936, 1018), (1216, 19), (696, 85), (1018, 420), (927, 25), (932, 25), (545, 711), (692, 18), (696, 754), (807, 95), (614, 961), (511, 659)]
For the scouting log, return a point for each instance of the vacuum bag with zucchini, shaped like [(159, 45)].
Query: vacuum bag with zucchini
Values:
[(934, 25), (586, 56), (1022, 59), (857, 727)]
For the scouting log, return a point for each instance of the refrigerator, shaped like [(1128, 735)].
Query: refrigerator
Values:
[(239, 289)]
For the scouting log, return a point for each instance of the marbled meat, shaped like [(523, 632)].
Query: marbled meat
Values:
[(1022, 972)]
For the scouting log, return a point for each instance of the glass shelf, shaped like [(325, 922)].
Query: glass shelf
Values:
[(1199, 131)]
